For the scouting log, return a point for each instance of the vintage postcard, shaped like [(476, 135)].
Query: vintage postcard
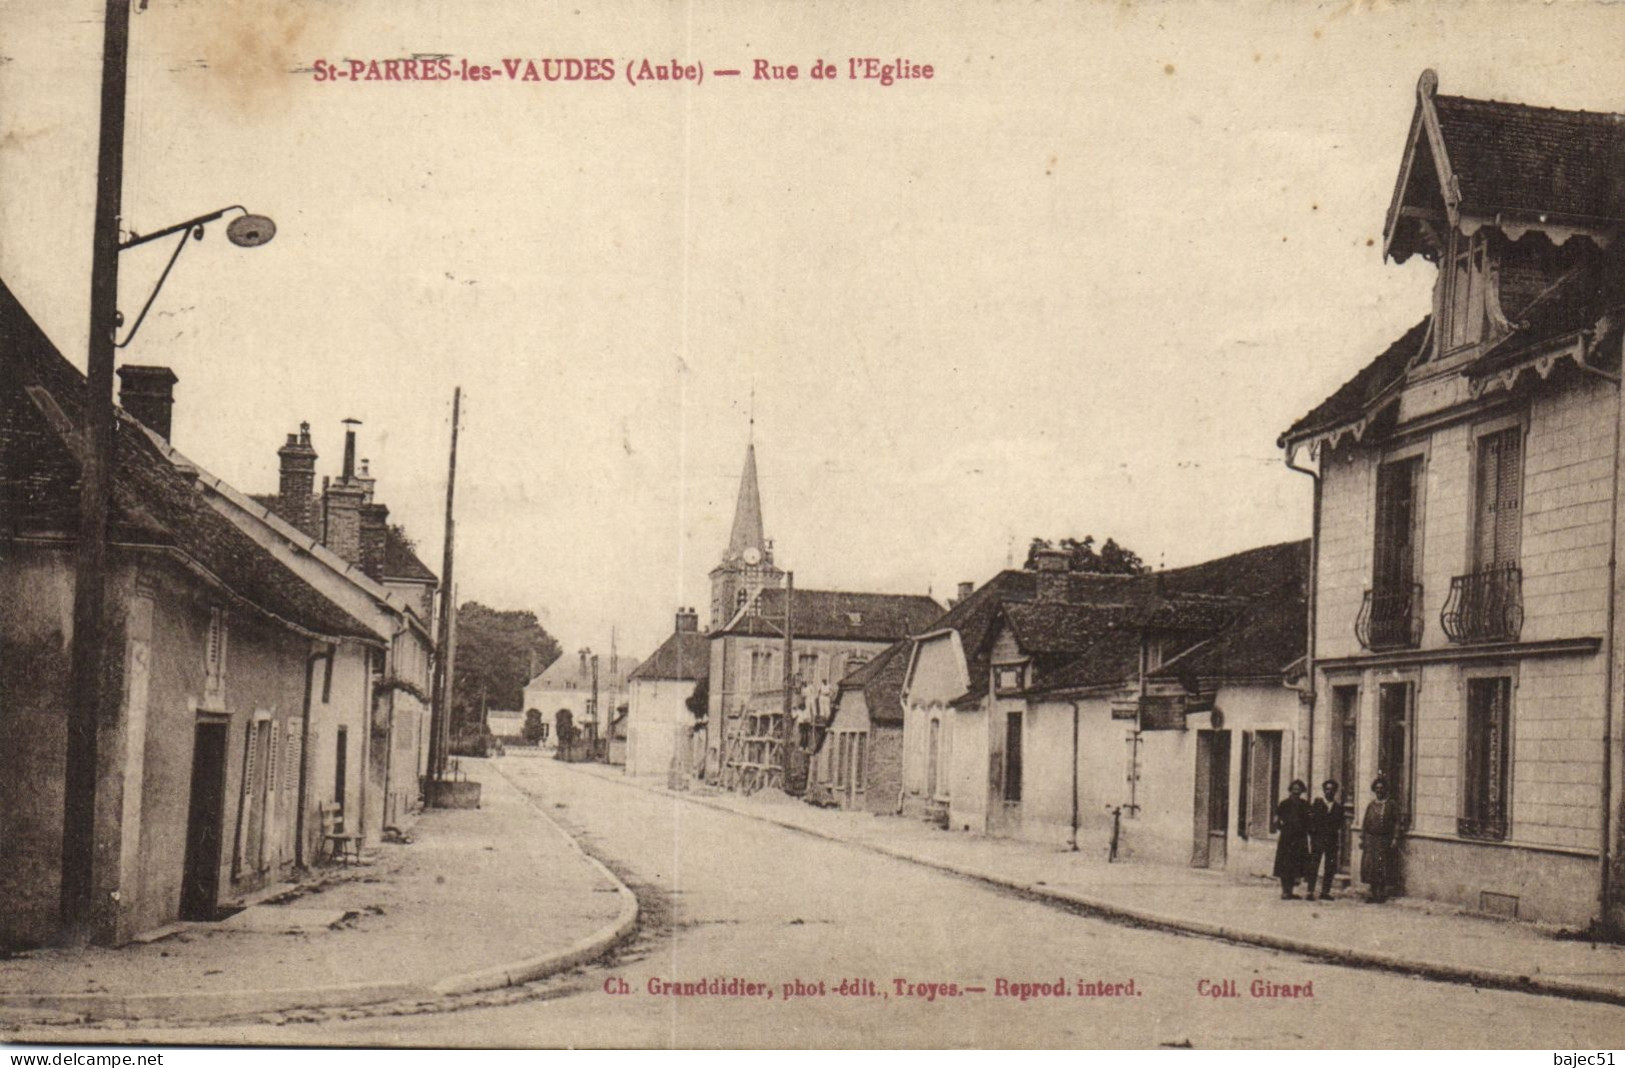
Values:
[(639, 524)]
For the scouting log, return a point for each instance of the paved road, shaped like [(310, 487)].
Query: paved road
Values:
[(734, 898)]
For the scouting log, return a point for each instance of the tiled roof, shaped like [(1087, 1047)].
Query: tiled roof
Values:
[(881, 681), (153, 501), (1355, 397), (1518, 159), (566, 673), (1574, 304), (684, 655), (1251, 606), (1051, 627), (400, 562), (839, 615)]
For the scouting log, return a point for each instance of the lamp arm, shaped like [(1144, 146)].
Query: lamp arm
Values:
[(179, 248), (142, 239)]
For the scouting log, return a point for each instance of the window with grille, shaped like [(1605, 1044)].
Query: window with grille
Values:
[(1484, 778), (1499, 512), (1397, 522), (807, 666)]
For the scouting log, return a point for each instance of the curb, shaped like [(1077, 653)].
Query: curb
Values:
[(1488, 978), (203, 1004), (594, 945)]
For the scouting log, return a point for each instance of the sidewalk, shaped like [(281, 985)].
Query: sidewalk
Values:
[(1413, 936), (480, 898)]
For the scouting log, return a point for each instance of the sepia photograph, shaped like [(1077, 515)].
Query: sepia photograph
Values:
[(730, 525)]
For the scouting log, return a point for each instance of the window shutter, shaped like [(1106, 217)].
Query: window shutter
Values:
[(1242, 827), (1508, 506), (1265, 771)]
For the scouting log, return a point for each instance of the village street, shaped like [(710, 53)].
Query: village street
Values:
[(729, 896)]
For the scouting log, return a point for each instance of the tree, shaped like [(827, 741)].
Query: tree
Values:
[(495, 651), (699, 702), (1110, 559), (535, 730)]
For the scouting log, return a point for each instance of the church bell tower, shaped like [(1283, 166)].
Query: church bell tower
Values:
[(747, 563)]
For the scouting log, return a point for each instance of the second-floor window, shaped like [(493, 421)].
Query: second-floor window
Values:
[(1398, 523), (1391, 615), (761, 671), (1498, 504)]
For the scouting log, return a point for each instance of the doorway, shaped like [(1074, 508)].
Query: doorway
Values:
[(205, 821), (1345, 768), (1396, 702), (1211, 805)]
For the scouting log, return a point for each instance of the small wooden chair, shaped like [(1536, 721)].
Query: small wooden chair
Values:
[(338, 844)]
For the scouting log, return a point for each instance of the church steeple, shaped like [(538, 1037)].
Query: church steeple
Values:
[(747, 529), (747, 562)]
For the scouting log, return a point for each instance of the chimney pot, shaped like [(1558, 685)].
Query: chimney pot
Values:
[(148, 393)]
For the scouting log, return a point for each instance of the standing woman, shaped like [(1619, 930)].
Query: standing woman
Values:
[(1379, 844), (1292, 819)]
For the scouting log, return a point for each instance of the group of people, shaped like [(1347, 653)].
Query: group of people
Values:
[(1311, 839)]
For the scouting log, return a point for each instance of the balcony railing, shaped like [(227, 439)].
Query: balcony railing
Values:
[(1485, 606), (1391, 618)]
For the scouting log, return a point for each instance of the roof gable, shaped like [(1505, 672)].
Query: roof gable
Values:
[(1518, 166), (836, 615), (155, 502), (685, 655)]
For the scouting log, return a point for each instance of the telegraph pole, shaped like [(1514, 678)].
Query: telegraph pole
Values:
[(440, 712), (789, 678), (95, 480)]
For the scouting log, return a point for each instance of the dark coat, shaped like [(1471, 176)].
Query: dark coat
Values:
[(1292, 819), (1326, 825), (1379, 844)]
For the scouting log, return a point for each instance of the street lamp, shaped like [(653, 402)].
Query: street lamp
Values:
[(246, 231), (78, 908)]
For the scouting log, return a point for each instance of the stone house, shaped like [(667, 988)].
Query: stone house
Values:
[(660, 726), (1467, 486), (211, 652), (1046, 699), (370, 727), (860, 756), (833, 632)]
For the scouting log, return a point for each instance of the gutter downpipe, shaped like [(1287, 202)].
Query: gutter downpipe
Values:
[(1072, 840), (1314, 585), (1604, 887)]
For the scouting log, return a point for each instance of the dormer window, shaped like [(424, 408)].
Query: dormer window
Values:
[(1463, 293)]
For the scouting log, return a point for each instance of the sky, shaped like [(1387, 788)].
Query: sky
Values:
[(1077, 282)]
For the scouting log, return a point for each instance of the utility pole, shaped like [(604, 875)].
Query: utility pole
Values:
[(95, 481), (789, 678), (440, 712)]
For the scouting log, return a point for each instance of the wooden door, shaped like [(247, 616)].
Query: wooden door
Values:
[(1211, 803), (205, 823)]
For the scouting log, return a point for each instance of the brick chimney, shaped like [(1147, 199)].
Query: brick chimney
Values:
[(374, 534), (296, 486), (1054, 584), (965, 590), (148, 393), (688, 621), (341, 504)]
